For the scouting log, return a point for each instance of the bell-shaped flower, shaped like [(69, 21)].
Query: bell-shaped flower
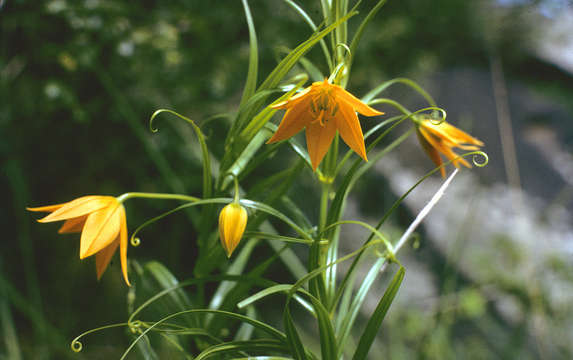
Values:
[(440, 137), (232, 223), (323, 109), (102, 223)]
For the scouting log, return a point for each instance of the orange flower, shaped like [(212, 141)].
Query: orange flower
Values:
[(232, 223), (101, 220), (441, 137), (322, 109)]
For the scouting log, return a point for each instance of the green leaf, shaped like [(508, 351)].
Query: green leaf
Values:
[(264, 116), (296, 212), (327, 339), (375, 321), (236, 268), (271, 236), (199, 281), (257, 324), (251, 83), (264, 293), (245, 331), (287, 255), (309, 21), (207, 182), (340, 197), (352, 312), (412, 84), (166, 280), (360, 31), (263, 358), (330, 272), (245, 157), (234, 347), (288, 62), (293, 339), (241, 289), (155, 277)]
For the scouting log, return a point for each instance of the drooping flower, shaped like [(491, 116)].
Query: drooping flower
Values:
[(232, 223), (102, 222), (322, 109), (440, 137)]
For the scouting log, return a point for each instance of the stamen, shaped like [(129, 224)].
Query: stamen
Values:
[(334, 110), (320, 119), (313, 107)]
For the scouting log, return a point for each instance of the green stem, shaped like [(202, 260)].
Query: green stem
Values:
[(323, 205), (236, 198), (132, 195)]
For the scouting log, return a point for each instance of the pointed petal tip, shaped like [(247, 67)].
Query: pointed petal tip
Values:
[(48, 208)]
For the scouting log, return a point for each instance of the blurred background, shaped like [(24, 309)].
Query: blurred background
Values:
[(492, 273)]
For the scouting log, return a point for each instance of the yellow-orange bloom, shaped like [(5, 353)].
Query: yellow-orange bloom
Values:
[(232, 223), (102, 222), (322, 109), (441, 137)]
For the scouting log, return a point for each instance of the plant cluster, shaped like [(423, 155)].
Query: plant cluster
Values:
[(217, 312)]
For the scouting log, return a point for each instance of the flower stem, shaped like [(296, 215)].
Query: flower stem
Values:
[(132, 195), (323, 205)]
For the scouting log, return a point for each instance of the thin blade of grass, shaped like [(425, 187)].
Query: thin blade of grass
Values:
[(360, 31), (351, 313), (246, 330), (293, 338), (375, 321), (325, 329), (410, 83), (241, 347), (251, 83), (309, 21)]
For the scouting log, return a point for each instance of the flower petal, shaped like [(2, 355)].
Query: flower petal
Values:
[(432, 153), (355, 103), (100, 229), (292, 101), (436, 143), (79, 207), (318, 139), (349, 128), (452, 133), (73, 225), (123, 243), (232, 223), (48, 208), (104, 257), (294, 121)]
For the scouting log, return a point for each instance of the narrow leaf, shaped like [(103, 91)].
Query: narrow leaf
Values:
[(251, 83), (293, 339), (375, 321)]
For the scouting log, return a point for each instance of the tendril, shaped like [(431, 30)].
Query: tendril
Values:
[(135, 326), (157, 112), (345, 47), (475, 158), (435, 118), (339, 71), (135, 241), (76, 344)]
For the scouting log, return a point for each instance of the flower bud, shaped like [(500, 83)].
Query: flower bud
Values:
[(232, 223)]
